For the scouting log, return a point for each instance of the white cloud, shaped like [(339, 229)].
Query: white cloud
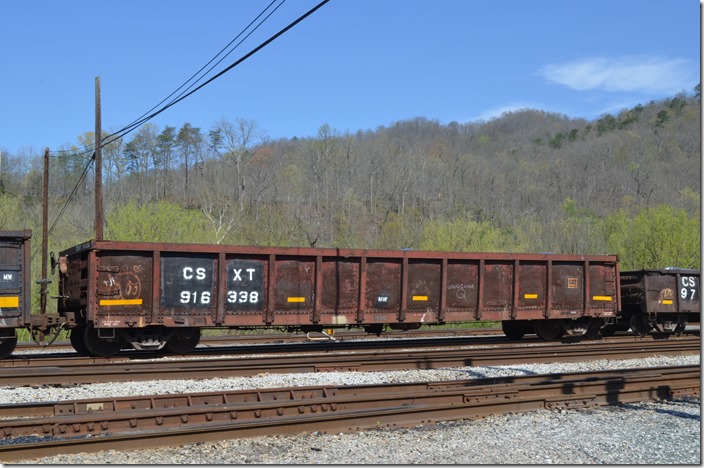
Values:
[(499, 111), (629, 74)]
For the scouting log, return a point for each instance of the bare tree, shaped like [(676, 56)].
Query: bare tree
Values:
[(221, 217), (239, 139)]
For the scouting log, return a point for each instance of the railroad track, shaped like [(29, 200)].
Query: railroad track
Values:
[(224, 346), (242, 341), (57, 357), (263, 338), (150, 421), (109, 370)]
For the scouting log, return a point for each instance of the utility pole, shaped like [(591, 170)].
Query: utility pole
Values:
[(45, 235), (98, 165)]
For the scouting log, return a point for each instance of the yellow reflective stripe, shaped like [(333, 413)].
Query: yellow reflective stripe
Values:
[(420, 298), (113, 302), (296, 299), (10, 301), (530, 296), (667, 301), (601, 298)]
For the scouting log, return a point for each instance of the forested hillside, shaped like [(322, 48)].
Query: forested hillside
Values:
[(528, 181)]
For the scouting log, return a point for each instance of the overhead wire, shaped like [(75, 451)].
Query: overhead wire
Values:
[(69, 199), (145, 118), (219, 74), (139, 119), (236, 63), (136, 122)]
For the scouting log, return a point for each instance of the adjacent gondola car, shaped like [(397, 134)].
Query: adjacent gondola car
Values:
[(147, 296), (661, 300), (15, 295)]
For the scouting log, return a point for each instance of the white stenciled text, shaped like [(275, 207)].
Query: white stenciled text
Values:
[(188, 273), (688, 288)]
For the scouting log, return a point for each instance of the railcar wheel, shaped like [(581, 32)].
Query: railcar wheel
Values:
[(98, 346), (77, 338), (514, 330), (592, 332), (184, 341), (7, 344), (548, 329), (640, 324), (679, 329)]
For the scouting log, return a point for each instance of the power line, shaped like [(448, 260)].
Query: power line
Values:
[(136, 121), (146, 116), (120, 133), (91, 148), (218, 75), (69, 199)]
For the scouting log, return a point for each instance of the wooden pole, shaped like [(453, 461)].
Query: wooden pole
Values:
[(45, 235), (98, 165)]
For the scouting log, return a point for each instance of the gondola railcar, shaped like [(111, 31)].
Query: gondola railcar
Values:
[(15, 284), (151, 296), (660, 300)]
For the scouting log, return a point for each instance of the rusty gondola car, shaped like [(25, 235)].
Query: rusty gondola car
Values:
[(15, 284), (149, 296), (661, 300)]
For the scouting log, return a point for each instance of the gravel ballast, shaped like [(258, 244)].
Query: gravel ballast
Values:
[(642, 433)]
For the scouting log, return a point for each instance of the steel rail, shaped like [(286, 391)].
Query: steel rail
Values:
[(218, 347), (242, 343), (58, 358), (82, 425), (296, 337), (109, 371)]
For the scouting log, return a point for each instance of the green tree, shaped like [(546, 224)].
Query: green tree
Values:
[(142, 156), (466, 235), (11, 216), (556, 141), (165, 146), (574, 234), (157, 222), (188, 141), (606, 124), (662, 117), (656, 237)]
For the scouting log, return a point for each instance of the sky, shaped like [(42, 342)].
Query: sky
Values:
[(353, 64)]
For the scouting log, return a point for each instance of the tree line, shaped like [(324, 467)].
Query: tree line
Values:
[(528, 181)]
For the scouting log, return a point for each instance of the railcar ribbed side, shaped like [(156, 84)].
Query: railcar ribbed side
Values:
[(152, 295)]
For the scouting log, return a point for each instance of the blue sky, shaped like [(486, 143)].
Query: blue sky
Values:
[(354, 64)]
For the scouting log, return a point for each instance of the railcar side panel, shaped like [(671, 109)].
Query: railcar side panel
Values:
[(496, 289), (339, 297), (134, 285), (246, 285), (603, 287), (187, 285), (567, 290), (123, 287), (293, 290), (382, 286), (532, 289), (461, 290)]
